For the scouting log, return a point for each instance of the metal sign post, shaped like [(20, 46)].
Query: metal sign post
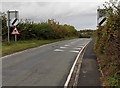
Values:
[(15, 38), (8, 26)]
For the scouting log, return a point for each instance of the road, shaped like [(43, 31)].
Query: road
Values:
[(48, 65)]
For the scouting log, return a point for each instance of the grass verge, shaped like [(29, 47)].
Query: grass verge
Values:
[(26, 44)]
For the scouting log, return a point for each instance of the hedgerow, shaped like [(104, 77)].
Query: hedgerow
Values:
[(45, 30), (107, 47)]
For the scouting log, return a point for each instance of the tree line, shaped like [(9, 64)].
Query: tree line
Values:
[(86, 33)]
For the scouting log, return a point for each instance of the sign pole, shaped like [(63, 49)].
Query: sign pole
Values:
[(8, 34), (8, 26), (15, 38)]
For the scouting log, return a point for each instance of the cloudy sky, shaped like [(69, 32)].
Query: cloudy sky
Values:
[(80, 13)]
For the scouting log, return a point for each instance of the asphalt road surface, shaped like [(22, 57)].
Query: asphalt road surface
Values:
[(48, 65)]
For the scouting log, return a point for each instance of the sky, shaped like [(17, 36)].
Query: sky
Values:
[(82, 14)]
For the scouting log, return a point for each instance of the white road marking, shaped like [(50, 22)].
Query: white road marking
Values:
[(74, 42), (63, 47), (66, 45), (74, 51), (58, 50)]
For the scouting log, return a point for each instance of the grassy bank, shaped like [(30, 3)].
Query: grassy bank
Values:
[(22, 45)]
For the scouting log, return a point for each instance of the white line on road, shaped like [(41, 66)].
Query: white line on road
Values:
[(66, 45), (74, 51), (58, 50), (71, 42), (63, 47)]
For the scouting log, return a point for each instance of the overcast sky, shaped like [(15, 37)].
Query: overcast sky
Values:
[(80, 13)]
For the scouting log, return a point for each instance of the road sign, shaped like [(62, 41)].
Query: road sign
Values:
[(14, 21), (102, 16), (15, 32), (12, 16), (102, 21)]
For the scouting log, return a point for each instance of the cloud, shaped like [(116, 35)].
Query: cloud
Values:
[(55, 0)]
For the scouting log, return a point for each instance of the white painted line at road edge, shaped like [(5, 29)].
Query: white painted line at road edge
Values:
[(73, 66)]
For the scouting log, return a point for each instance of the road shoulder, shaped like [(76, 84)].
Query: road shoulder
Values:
[(89, 74)]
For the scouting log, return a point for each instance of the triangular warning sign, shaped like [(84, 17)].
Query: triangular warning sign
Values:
[(15, 32)]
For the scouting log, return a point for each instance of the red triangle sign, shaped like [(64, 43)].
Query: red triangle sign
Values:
[(15, 32)]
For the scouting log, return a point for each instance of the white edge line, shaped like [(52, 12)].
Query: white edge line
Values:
[(78, 70), (73, 66), (27, 50)]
